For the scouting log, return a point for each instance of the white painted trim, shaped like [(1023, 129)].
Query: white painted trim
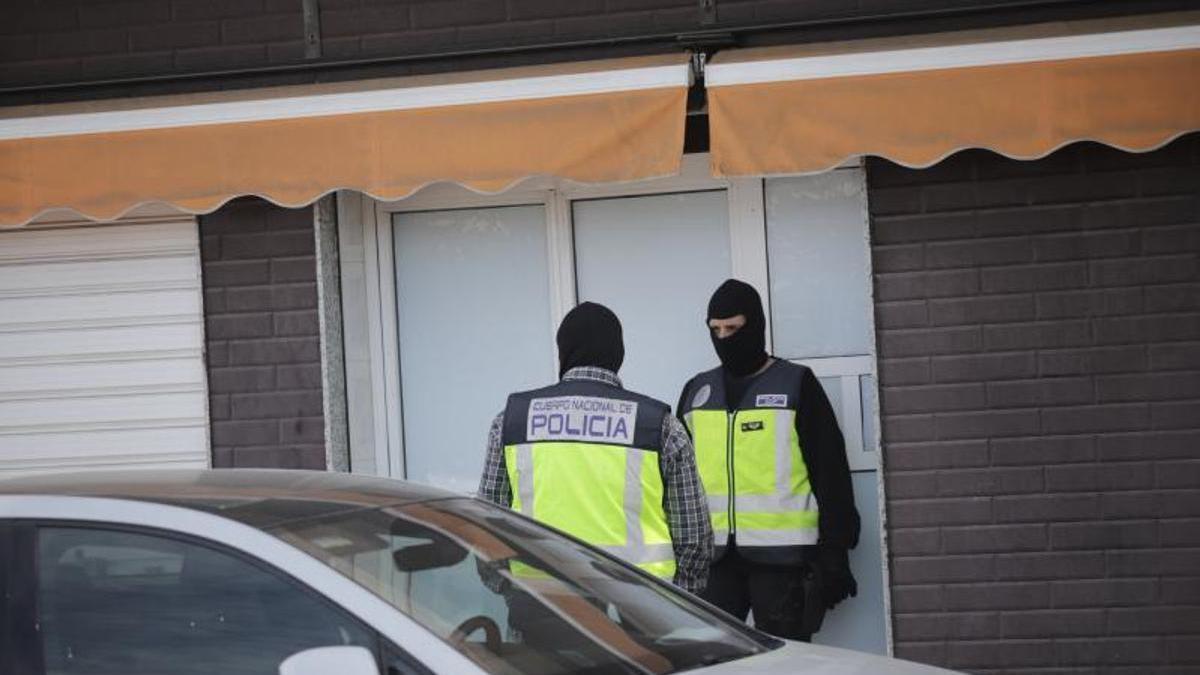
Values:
[(748, 241), (317, 105), (375, 335), (390, 339), (555, 196), (560, 242), (953, 56), (837, 366), (355, 329), (372, 610), (852, 428), (848, 372)]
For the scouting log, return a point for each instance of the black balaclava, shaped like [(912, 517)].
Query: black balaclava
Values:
[(590, 335), (746, 350)]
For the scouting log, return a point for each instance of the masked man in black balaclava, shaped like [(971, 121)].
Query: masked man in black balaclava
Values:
[(579, 435), (773, 463)]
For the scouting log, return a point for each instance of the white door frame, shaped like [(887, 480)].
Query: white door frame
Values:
[(748, 246), (366, 223), (748, 258)]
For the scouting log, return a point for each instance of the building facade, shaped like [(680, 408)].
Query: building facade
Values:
[(1010, 336)]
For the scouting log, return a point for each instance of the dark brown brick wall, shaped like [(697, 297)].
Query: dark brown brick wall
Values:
[(59, 41), (264, 363), (1039, 334)]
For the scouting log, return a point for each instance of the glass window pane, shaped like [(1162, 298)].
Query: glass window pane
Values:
[(818, 257), (833, 391), (473, 297), (655, 261), (120, 603)]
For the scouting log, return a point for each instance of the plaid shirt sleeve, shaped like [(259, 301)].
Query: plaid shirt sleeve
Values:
[(493, 486), (686, 506)]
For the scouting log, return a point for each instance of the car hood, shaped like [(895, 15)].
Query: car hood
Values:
[(809, 659)]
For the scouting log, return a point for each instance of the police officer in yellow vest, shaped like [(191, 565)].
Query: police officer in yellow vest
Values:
[(609, 466), (773, 463)]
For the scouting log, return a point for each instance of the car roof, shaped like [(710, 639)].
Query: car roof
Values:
[(258, 497)]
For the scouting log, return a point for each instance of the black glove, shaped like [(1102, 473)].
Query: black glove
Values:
[(837, 583)]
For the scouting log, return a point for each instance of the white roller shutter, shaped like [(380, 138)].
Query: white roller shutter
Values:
[(102, 347)]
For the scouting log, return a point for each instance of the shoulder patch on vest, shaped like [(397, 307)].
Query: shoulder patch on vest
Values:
[(581, 418), (771, 401), (702, 396)]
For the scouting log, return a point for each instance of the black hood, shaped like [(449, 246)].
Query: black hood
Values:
[(590, 335), (746, 350)]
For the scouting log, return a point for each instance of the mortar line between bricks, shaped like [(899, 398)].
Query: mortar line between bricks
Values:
[(263, 312), (1143, 286), (278, 284), (276, 446), (265, 339), (272, 392)]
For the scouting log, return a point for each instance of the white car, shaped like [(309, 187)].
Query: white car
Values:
[(308, 573)]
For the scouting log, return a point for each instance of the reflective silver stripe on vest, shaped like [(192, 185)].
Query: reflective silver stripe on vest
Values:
[(525, 478), (798, 537), (635, 550), (783, 454), (633, 505), (772, 503), (782, 500)]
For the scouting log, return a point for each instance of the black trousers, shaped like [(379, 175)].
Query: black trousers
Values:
[(774, 592)]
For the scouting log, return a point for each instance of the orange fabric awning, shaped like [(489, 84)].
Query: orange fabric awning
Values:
[(604, 121), (916, 100)]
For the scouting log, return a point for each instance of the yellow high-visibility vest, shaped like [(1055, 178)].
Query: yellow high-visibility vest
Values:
[(750, 459), (583, 457)]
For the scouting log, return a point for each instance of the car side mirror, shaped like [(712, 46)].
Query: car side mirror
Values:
[(431, 556), (435, 551), (325, 660)]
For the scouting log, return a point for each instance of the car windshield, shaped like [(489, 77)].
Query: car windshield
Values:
[(516, 597)]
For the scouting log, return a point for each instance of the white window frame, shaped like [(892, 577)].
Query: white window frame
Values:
[(747, 231), (849, 370), (748, 259), (367, 269)]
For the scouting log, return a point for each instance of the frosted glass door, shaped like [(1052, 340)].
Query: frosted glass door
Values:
[(820, 280), (473, 314), (819, 265), (655, 261)]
